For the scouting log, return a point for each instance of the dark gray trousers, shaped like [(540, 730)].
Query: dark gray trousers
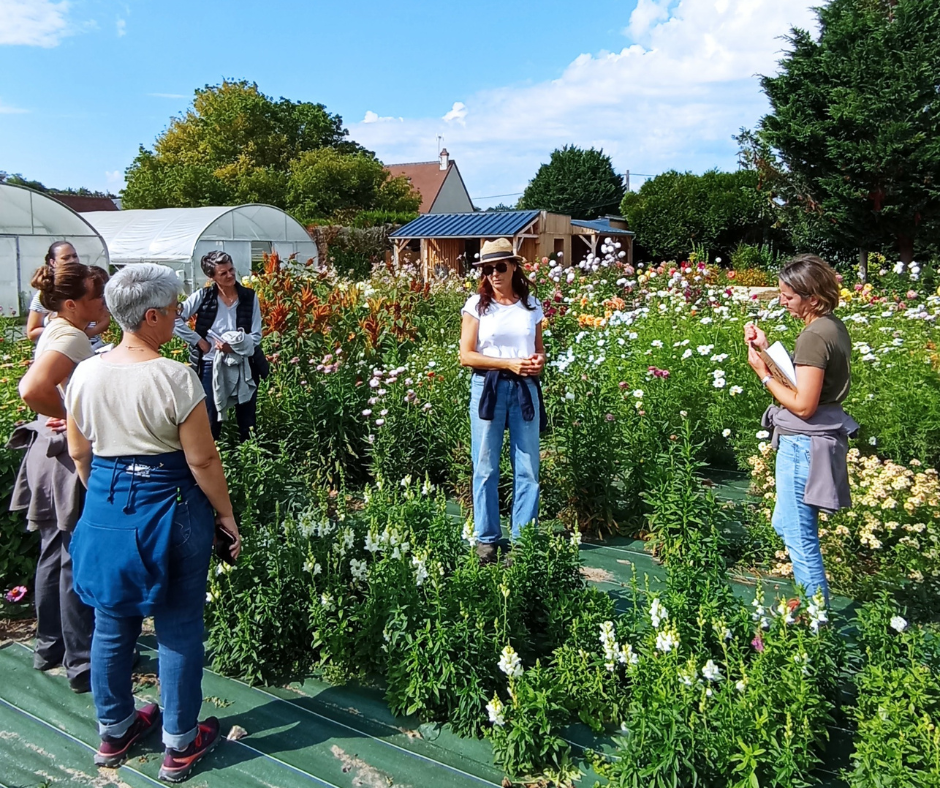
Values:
[(64, 624)]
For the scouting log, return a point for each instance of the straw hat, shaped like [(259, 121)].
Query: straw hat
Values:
[(494, 251)]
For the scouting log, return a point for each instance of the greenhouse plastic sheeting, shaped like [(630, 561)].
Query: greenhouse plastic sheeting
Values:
[(29, 222)]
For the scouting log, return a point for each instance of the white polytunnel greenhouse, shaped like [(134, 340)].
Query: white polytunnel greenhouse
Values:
[(179, 237), (30, 222)]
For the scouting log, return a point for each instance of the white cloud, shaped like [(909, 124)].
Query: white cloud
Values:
[(38, 23), (374, 117), (121, 28), (645, 15), (6, 109), (672, 99), (458, 112)]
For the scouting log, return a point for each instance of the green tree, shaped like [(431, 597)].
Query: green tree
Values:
[(576, 182), (676, 212), (327, 185), (853, 135), (237, 145)]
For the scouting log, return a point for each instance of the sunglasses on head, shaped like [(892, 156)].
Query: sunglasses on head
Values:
[(500, 267)]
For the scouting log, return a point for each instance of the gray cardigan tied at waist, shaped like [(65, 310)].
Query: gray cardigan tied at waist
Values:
[(829, 430)]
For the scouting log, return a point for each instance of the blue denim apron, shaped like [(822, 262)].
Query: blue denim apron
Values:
[(121, 545)]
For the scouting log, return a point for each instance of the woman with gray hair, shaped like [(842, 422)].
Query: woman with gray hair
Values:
[(223, 310), (139, 435)]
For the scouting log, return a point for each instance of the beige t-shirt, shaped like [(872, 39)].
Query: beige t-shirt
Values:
[(132, 409), (71, 342)]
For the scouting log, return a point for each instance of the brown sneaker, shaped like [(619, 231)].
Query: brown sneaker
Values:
[(178, 764), (113, 751)]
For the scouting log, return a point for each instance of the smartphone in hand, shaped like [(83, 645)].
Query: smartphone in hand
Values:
[(223, 545)]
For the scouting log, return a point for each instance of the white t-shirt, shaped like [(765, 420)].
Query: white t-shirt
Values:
[(63, 337), (506, 331), (132, 409)]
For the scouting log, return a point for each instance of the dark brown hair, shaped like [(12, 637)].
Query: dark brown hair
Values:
[(54, 250), (809, 276), (521, 286), (68, 281)]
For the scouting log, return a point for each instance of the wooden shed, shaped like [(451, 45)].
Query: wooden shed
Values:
[(450, 242)]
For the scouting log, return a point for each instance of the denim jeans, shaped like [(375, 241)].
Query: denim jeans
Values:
[(486, 447), (796, 522), (179, 628), (245, 413)]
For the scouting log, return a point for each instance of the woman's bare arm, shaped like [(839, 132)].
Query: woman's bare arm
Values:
[(38, 387), (79, 450), (203, 459)]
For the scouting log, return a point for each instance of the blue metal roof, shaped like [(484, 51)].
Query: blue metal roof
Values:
[(492, 224), (601, 226)]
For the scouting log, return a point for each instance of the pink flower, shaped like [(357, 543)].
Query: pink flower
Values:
[(758, 643), (911, 294), (15, 594)]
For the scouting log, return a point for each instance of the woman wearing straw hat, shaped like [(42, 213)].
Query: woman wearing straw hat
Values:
[(501, 340)]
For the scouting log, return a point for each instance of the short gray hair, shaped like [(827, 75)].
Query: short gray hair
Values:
[(138, 287)]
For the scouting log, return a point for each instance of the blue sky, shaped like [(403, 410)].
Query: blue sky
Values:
[(658, 84)]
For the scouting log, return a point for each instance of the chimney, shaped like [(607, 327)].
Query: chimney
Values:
[(445, 159)]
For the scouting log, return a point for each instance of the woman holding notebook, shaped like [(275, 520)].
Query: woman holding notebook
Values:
[(810, 428)]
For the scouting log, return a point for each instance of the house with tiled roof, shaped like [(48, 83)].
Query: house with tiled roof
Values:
[(439, 182)]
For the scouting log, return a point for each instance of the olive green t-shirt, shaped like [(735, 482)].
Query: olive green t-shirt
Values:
[(825, 343)]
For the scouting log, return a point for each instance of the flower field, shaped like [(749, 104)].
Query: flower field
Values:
[(359, 563)]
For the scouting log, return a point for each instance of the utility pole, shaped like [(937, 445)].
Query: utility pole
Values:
[(626, 180)]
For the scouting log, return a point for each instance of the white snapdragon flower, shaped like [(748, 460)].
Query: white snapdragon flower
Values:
[(898, 624), (741, 685), (468, 534), (726, 433), (667, 640), (509, 663), (359, 569), (658, 613), (711, 671), (496, 711), (421, 569), (326, 602)]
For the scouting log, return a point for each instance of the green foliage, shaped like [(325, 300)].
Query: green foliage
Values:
[(328, 184), (897, 741), (237, 145), (19, 550), (383, 218), (852, 133), (676, 212), (579, 183)]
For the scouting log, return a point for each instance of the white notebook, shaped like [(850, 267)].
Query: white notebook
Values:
[(781, 365)]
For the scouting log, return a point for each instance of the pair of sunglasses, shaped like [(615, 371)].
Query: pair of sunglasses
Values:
[(501, 267)]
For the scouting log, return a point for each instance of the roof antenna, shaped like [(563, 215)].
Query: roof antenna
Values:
[(440, 140)]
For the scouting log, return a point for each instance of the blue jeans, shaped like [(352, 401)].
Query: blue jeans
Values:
[(487, 445), (179, 628), (796, 522)]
